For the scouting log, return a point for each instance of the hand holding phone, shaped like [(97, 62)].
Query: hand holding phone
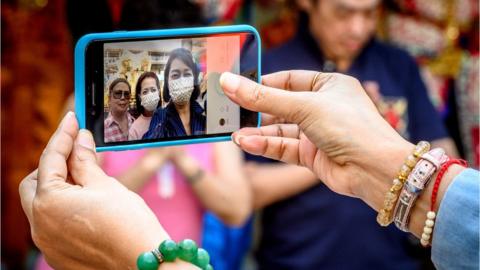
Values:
[(161, 87)]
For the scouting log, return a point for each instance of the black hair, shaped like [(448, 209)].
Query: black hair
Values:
[(138, 89), (186, 57), (117, 81)]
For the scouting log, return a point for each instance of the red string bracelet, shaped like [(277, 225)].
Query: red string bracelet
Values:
[(430, 221), (439, 178)]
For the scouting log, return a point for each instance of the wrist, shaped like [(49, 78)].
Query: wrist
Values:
[(422, 205), (174, 255), (380, 174), (148, 240)]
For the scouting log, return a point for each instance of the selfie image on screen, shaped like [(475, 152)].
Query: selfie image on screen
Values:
[(169, 88)]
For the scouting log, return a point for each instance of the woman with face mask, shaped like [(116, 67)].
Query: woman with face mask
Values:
[(147, 101), (183, 116)]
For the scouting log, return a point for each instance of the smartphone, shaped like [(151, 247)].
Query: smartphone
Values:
[(137, 89)]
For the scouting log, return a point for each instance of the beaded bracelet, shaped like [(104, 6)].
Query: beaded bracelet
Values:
[(168, 251), (431, 215), (418, 179), (384, 217)]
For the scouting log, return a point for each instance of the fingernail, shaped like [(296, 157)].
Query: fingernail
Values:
[(85, 139), (229, 82), (67, 116), (237, 139), (233, 138)]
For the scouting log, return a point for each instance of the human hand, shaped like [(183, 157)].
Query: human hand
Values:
[(187, 164), (81, 218), (336, 130), (177, 152), (155, 158), (373, 91), (251, 168)]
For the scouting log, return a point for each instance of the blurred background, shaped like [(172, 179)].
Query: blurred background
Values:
[(38, 37)]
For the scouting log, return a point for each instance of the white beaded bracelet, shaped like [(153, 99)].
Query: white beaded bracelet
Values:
[(428, 228), (431, 215)]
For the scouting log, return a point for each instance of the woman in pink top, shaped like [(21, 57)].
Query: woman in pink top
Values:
[(147, 100), (179, 183)]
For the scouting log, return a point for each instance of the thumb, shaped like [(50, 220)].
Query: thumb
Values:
[(82, 163), (260, 98)]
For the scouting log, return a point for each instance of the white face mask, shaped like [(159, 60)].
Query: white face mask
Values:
[(150, 101), (181, 90)]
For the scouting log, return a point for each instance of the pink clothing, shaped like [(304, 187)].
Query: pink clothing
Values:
[(181, 214), (171, 198), (112, 130), (139, 127)]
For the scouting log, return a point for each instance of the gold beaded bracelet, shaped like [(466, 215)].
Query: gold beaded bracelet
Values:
[(385, 215)]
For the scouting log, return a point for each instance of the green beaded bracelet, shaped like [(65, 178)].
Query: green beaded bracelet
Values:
[(187, 250), (168, 251)]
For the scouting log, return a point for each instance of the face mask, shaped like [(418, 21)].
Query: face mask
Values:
[(181, 90), (150, 101)]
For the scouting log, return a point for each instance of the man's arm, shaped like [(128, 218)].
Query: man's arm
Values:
[(274, 182), (448, 145)]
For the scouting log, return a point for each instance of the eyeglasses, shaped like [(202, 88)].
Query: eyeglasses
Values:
[(121, 94)]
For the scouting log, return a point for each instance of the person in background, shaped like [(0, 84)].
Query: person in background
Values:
[(147, 101), (183, 115), (338, 36), (118, 121), (180, 183)]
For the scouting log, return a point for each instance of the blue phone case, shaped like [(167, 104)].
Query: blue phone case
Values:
[(80, 49)]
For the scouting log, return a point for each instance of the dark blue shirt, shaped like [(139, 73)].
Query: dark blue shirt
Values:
[(166, 122), (319, 229)]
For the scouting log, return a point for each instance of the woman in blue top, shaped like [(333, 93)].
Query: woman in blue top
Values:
[(183, 116)]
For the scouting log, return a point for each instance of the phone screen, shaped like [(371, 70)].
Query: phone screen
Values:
[(144, 90)]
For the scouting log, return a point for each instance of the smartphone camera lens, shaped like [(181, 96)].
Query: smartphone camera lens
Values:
[(221, 122)]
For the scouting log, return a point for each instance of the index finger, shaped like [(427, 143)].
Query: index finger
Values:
[(260, 98), (53, 162), (296, 80)]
